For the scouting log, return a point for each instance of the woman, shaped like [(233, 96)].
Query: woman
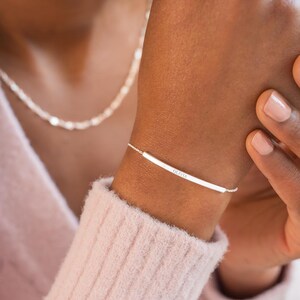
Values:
[(146, 233)]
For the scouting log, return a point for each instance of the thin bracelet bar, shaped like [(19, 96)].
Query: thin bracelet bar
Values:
[(181, 173)]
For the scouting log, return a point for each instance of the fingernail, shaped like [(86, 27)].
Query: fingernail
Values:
[(277, 108), (262, 144)]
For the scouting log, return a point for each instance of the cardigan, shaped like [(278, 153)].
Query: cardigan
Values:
[(116, 251)]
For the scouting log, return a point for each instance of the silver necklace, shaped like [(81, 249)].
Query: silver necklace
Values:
[(106, 113)]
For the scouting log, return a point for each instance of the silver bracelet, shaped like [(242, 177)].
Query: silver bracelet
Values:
[(181, 173)]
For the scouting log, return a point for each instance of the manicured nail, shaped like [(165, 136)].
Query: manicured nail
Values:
[(262, 144), (277, 108)]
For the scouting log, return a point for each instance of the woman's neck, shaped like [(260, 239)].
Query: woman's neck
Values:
[(59, 31), (38, 19)]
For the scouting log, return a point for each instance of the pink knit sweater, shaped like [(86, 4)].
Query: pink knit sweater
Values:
[(116, 252)]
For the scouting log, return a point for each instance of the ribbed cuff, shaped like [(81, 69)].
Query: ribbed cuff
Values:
[(120, 252)]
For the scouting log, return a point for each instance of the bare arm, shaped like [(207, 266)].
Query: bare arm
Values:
[(205, 63)]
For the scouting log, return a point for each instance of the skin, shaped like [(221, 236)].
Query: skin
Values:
[(37, 57), (66, 72), (267, 210), (205, 145)]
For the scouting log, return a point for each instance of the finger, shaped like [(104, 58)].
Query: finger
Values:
[(277, 167), (280, 118)]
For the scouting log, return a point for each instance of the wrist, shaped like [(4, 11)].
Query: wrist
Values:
[(168, 197), (178, 146), (247, 283)]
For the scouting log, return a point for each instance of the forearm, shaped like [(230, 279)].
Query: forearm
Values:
[(178, 137)]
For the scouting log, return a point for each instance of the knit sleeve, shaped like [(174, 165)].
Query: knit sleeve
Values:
[(287, 289), (121, 252)]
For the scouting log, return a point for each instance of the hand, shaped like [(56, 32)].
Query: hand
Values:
[(203, 64), (263, 218)]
